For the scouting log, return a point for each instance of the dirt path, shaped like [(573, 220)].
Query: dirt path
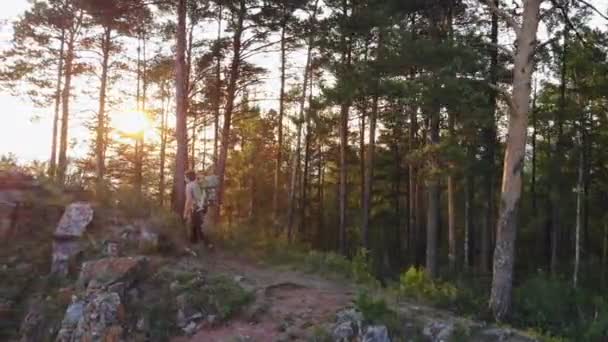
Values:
[(288, 305)]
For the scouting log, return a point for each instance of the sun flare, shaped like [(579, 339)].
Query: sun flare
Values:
[(131, 123)]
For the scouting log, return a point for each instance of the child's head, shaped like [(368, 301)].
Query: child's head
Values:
[(190, 175)]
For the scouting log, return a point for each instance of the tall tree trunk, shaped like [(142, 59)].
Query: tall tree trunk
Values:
[(580, 188), (504, 254), (451, 205), (469, 233), (163, 150), (106, 41), (489, 134), (369, 168), (305, 205), (218, 91), (343, 128), (235, 69), (297, 152), (53, 160), (181, 157), (62, 163), (412, 223), (279, 161), (558, 160), (433, 193)]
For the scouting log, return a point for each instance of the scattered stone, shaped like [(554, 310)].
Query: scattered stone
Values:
[(376, 334), (349, 325), (112, 249), (439, 331)]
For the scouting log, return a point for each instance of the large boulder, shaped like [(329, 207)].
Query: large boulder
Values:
[(116, 274), (75, 220), (66, 243)]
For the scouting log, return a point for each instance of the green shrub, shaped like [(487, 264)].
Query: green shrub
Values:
[(375, 310), (547, 304), (415, 283)]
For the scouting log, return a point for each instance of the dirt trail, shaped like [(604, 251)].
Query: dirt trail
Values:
[(288, 304)]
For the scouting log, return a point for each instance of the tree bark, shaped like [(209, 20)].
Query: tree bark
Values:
[(235, 69), (297, 152), (279, 161), (580, 188), (65, 102), (181, 157), (218, 91), (433, 193), (412, 223), (53, 160), (451, 206), (106, 41), (504, 254), (489, 134), (343, 132), (369, 168), (163, 150)]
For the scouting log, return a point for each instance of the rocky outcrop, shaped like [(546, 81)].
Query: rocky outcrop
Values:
[(112, 274), (100, 317), (15, 191), (67, 236), (100, 314), (350, 327)]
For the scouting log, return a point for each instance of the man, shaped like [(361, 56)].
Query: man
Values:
[(195, 208)]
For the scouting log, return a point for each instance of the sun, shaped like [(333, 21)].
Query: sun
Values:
[(131, 123)]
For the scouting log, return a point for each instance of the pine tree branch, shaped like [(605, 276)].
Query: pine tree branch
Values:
[(593, 8), (509, 19)]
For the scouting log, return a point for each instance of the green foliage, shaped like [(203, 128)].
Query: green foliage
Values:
[(546, 303), (416, 283), (375, 310)]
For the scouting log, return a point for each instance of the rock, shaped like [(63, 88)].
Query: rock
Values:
[(376, 334), (111, 249), (66, 245), (492, 334), (349, 324), (15, 190), (190, 329), (439, 331), (186, 312), (148, 240), (64, 252), (344, 332), (32, 326), (98, 318), (143, 324), (75, 220), (6, 309), (121, 273)]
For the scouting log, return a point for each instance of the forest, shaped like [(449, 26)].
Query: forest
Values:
[(463, 139)]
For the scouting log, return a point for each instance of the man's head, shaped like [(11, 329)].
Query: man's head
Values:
[(190, 175)]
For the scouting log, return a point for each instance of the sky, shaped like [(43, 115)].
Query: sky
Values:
[(26, 131)]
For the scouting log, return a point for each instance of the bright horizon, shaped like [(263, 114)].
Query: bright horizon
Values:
[(25, 130)]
